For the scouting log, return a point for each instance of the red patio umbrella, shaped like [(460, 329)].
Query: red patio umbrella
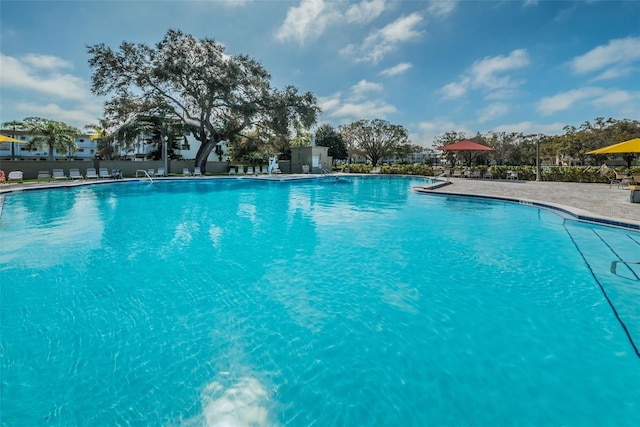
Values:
[(466, 146)]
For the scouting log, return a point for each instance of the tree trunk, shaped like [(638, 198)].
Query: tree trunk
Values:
[(203, 153), (50, 152)]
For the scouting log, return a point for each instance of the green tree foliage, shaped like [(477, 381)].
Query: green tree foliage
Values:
[(218, 96), (56, 135), (448, 138), (516, 148), (302, 137), (105, 140), (376, 139), (327, 136)]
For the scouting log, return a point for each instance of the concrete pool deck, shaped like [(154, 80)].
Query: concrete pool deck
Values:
[(584, 199)]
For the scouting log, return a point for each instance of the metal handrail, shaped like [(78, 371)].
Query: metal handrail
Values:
[(614, 264), (146, 173)]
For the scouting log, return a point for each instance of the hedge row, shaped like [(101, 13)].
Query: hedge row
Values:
[(527, 173)]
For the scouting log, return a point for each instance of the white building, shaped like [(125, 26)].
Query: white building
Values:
[(86, 148)]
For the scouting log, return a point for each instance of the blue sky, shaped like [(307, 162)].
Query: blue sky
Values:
[(433, 67)]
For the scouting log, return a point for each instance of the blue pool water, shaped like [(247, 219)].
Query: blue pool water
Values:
[(319, 302)]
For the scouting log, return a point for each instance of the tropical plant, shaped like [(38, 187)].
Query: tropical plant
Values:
[(54, 134), (104, 138)]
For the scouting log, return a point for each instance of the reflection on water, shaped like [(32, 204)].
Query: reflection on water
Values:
[(53, 226)]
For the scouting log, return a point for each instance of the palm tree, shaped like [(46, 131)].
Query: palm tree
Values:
[(100, 133), (14, 125), (57, 135)]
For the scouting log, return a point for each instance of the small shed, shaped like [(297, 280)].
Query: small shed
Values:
[(315, 158)]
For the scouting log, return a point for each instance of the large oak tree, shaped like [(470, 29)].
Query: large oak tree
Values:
[(376, 139), (216, 95)]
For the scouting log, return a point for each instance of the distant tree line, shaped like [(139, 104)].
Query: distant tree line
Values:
[(517, 148)]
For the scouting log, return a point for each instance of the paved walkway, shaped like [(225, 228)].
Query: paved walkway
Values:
[(597, 199)]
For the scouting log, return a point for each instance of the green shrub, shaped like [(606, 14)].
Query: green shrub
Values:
[(422, 170), (357, 168)]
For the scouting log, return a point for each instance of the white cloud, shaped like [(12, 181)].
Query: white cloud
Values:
[(236, 3), (365, 11), (362, 87), (45, 61), (429, 130), (331, 102), (455, 89), (488, 74), (39, 74), (79, 116), (401, 30), (492, 111), (373, 109), (356, 106), (441, 8), (563, 101), (484, 73), (396, 70), (614, 73), (623, 103), (307, 21), (386, 40), (54, 92), (614, 59)]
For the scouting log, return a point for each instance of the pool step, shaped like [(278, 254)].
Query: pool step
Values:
[(600, 247)]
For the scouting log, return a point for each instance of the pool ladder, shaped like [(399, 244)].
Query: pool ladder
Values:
[(145, 173), (614, 264)]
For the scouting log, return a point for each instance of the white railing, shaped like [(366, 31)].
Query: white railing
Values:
[(145, 173)]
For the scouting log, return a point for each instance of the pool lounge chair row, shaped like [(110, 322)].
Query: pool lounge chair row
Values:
[(185, 172), (74, 173), (250, 170)]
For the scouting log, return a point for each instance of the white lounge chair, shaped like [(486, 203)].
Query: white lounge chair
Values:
[(59, 174), (151, 172), (186, 172), (232, 170), (103, 173), (15, 176), (91, 173), (196, 171), (74, 174), (160, 172), (240, 170), (475, 174), (512, 175), (250, 170), (488, 174), (457, 173), (42, 175)]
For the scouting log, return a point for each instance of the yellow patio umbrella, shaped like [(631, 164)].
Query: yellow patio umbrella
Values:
[(4, 138), (631, 146)]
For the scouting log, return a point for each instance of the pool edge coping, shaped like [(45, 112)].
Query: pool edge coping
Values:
[(565, 211)]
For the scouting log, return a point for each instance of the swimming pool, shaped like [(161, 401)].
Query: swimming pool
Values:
[(352, 302)]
